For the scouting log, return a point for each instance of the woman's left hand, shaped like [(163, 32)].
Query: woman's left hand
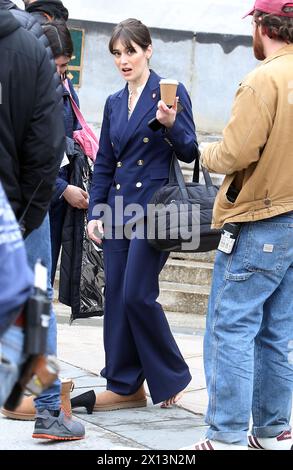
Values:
[(166, 116)]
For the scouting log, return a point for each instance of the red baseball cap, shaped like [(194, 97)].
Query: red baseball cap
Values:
[(276, 7)]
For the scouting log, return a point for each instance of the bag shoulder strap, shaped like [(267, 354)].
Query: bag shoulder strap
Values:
[(75, 108)]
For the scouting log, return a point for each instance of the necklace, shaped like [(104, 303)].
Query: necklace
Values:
[(131, 101)]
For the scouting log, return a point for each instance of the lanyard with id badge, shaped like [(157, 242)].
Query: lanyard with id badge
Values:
[(229, 231), (229, 236)]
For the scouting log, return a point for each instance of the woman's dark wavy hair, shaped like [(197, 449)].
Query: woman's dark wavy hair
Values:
[(276, 27), (130, 30), (59, 38)]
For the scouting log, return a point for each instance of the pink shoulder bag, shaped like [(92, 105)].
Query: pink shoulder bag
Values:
[(85, 137)]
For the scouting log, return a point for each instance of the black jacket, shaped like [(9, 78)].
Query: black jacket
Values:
[(31, 124), (81, 269), (32, 23)]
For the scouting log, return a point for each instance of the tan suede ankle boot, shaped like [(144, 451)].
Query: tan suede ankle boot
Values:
[(26, 411)]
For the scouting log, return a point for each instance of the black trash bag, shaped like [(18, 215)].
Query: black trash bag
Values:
[(92, 281), (81, 283)]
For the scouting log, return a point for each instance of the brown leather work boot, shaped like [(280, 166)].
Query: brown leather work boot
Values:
[(110, 401), (26, 411)]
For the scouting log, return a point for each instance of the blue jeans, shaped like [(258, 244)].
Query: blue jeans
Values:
[(38, 246), (249, 334), (11, 358)]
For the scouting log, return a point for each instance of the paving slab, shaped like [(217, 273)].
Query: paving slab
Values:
[(169, 433), (16, 435), (81, 355)]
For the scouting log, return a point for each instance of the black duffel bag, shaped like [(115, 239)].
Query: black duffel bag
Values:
[(180, 214)]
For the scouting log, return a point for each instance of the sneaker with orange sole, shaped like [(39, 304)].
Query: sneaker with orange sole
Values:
[(55, 425)]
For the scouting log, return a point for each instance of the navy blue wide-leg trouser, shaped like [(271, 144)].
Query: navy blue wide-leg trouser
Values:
[(138, 341)]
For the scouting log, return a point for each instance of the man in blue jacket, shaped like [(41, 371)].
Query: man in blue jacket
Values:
[(15, 286)]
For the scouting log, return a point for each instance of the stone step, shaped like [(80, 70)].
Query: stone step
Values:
[(184, 323), (201, 260), (207, 257), (179, 298), (187, 272), (184, 283), (184, 298), (215, 177)]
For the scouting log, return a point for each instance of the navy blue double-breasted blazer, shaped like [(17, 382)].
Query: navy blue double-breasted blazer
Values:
[(133, 161)]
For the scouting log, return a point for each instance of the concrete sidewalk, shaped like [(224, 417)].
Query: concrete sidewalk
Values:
[(81, 356), (80, 351)]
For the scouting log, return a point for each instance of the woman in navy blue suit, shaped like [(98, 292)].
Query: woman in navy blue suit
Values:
[(132, 163)]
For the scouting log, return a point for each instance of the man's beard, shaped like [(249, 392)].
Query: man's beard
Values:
[(258, 48)]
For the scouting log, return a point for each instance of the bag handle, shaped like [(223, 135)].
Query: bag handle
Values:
[(195, 176), (75, 108), (176, 175), (206, 175)]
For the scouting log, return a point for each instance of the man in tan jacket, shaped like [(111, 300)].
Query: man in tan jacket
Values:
[(250, 316)]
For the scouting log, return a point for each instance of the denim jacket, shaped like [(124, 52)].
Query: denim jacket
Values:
[(15, 283)]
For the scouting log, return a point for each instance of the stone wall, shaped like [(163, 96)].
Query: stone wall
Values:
[(210, 65)]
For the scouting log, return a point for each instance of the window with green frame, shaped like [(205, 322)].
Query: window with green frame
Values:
[(76, 64)]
